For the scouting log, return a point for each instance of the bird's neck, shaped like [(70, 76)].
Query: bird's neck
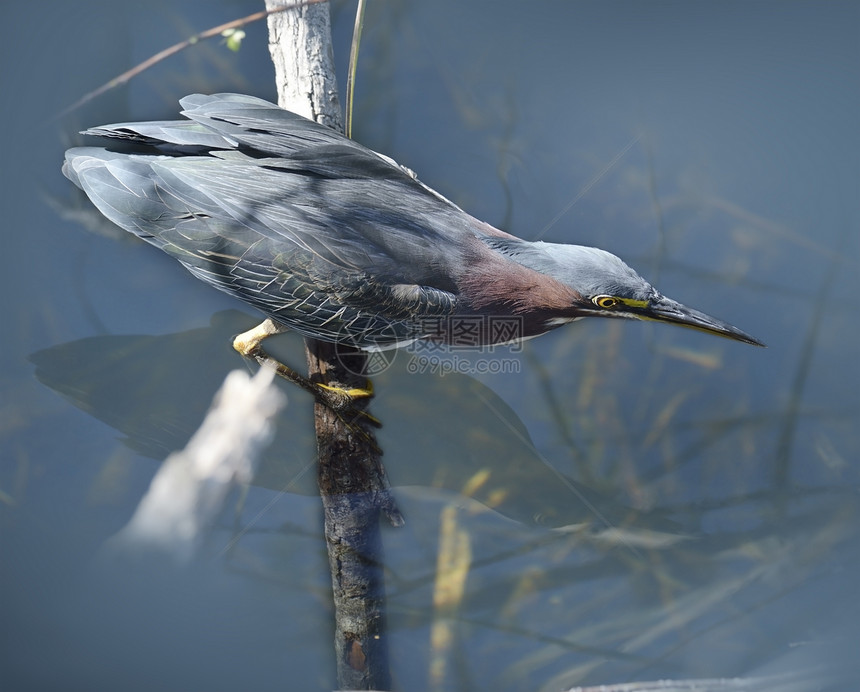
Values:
[(502, 281)]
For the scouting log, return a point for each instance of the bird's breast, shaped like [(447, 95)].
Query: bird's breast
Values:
[(500, 291)]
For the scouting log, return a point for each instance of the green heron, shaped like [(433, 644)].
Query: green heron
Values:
[(340, 243)]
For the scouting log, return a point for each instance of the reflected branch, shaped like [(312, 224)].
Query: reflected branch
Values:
[(782, 468)]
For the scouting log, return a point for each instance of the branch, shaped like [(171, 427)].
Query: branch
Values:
[(352, 481), (177, 47)]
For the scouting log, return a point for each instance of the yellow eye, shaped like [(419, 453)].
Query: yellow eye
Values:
[(605, 302)]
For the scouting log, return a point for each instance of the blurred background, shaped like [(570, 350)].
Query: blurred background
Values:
[(620, 501)]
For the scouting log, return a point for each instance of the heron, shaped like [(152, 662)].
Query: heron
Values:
[(340, 243)]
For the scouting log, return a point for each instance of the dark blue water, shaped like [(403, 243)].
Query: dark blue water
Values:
[(641, 502)]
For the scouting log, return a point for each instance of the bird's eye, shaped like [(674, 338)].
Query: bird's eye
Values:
[(605, 302)]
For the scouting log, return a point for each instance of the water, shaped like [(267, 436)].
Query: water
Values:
[(643, 502)]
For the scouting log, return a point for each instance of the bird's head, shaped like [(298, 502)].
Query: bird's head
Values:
[(606, 287)]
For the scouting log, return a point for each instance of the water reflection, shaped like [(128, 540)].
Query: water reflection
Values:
[(156, 389), (741, 192), (499, 544)]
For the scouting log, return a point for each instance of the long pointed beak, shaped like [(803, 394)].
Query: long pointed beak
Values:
[(671, 312)]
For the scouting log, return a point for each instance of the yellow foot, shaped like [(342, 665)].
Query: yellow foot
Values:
[(341, 400), (352, 393)]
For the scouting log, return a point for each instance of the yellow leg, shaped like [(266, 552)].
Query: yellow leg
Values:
[(339, 399)]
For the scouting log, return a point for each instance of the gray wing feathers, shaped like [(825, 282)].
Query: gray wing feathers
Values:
[(281, 212)]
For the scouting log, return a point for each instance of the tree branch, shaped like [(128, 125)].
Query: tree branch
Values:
[(352, 480)]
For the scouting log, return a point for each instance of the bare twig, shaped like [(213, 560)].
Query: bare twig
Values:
[(177, 47)]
